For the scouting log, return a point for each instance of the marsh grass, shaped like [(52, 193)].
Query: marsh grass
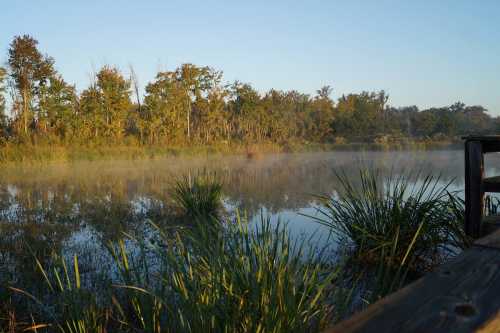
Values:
[(211, 277), (492, 205), (65, 305), (47, 151), (385, 216), (198, 197), (243, 280), (234, 276)]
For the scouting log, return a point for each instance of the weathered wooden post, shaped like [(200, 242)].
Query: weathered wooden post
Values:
[(474, 192), (476, 184)]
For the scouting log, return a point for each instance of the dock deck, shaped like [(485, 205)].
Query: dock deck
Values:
[(461, 296)]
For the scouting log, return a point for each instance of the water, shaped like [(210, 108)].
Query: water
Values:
[(75, 207)]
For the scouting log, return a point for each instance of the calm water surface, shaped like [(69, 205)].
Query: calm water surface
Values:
[(73, 207)]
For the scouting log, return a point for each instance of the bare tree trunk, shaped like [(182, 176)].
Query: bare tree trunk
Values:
[(135, 83), (25, 111), (188, 120)]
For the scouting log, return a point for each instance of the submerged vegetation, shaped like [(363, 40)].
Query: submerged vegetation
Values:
[(191, 106), (218, 273)]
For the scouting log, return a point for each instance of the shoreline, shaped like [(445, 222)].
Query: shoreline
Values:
[(47, 153)]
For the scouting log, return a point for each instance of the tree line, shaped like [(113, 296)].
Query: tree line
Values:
[(193, 105)]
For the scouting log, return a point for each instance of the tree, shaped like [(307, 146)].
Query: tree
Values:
[(180, 93), (245, 112), (191, 104), (106, 104), (30, 71), (361, 116), (195, 81), (164, 106), (57, 107), (115, 100), (3, 116), (321, 115), (324, 92)]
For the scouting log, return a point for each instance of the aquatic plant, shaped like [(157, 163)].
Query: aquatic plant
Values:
[(65, 305), (199, 196), (491, 205), (383, 215), (239, 278), (243, 280)]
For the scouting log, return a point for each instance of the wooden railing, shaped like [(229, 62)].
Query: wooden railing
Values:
[(475, 183)]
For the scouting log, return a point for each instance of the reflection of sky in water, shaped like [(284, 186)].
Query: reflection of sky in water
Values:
[(278, 186)]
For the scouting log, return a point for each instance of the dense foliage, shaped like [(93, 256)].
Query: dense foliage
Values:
[(192, 105)]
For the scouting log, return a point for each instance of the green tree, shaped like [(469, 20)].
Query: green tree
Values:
[(183, 93), (321, 116), (106, 104), (246, 115), (195, 81), (58, 107), (164, 104), (30, 71), (361, 116)]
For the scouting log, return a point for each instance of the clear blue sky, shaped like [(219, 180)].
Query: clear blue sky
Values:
[(421, 52)]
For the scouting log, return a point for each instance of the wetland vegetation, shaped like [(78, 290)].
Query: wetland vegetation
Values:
[(215, 244)]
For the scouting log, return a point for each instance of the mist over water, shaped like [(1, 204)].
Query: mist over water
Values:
[(275, 184), (77, 207)]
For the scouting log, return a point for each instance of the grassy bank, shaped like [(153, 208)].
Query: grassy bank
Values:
[(46, 152)]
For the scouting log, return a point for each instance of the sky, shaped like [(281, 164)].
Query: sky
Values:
[(424, 53)]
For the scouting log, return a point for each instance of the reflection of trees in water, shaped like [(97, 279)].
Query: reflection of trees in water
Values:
[(46, 207), (290, 182), (276, 182), (262, 181)]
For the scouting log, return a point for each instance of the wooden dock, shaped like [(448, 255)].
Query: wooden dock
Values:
[(462, 295)]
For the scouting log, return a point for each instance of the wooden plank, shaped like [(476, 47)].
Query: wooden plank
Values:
[(491, 240), (458, 297), (474, 195), (492, 219), (467, 306), (491, 184), (491, 143), (489, 225), (481, 137), (491, 146)]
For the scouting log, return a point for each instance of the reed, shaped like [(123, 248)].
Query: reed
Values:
[(230, 275), (238, 278), (242, 280), (199, 196), (383, 215)]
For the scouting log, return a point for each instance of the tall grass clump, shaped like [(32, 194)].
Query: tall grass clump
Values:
[(383, 217), (245, 279), (65, 304), (210, 277), (200, 196)]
